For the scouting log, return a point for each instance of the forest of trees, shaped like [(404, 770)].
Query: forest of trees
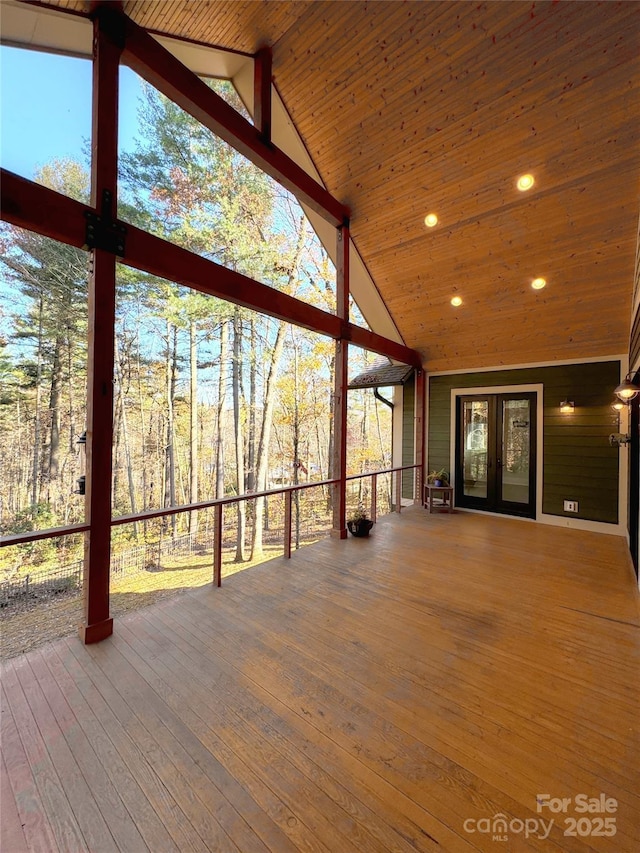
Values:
[(210, 399)]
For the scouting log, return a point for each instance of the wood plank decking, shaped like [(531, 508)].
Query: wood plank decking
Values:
[(373, 695)]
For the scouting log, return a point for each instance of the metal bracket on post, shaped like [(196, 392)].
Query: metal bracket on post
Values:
[(102, 231)]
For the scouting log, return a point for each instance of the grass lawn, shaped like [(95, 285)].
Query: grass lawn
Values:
[(24, 630)]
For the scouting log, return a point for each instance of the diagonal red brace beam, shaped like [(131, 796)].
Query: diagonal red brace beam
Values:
[(262, 92), (159, 67), (38, 208)]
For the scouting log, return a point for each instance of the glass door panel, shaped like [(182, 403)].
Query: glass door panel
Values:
[(514, 461), (475, 415)]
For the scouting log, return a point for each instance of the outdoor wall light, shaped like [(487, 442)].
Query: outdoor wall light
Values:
[(619, 439), (567, 406), (627, 390)]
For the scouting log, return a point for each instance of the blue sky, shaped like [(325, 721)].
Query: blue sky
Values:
[(45, 108)]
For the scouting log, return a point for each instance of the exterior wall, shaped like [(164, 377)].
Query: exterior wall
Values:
[(634, 342), (398, 425), (633, 521), (634, 338), (408, 437), (578, 462)]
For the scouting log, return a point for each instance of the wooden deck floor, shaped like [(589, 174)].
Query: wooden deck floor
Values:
[(395, 693)]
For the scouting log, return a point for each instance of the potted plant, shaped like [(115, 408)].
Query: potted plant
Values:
[(438, 478), (359, 524)]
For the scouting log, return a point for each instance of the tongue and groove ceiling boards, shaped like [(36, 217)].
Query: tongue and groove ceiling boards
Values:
[(414, 108)]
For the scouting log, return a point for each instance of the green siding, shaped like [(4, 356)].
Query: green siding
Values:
[(408, 437), (578, 462)]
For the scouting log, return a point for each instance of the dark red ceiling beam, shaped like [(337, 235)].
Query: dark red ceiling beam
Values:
[(262, 74), (159, 67), (156, 256), (383, 346), (159, 257), (38, 208)]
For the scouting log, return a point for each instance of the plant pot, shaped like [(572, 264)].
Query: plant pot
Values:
[(437, 482), (361, 527)]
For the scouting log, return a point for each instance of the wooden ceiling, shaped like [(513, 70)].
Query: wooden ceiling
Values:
[(409, 108)]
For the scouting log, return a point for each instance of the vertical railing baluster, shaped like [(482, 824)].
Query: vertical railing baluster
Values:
[(399, 491), (287, 523), (217, 544)]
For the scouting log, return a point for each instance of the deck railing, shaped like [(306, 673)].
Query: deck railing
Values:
[(367, 496)]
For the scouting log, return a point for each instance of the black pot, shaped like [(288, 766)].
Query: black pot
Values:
[(361, 527)]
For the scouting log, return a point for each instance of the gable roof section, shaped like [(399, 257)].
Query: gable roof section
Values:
[(43, 28), (411, 108)]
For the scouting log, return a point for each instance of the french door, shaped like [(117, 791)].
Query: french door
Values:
[(496, 453)]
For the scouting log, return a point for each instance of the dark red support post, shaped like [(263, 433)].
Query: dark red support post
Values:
[(262, 72), (100, 357), (340, 388)]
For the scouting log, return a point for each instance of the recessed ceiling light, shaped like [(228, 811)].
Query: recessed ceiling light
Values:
[(457, 300), (430, 220), (538, 283), (525, 182)]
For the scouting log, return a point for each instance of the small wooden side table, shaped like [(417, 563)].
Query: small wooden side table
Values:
[(430, 491)]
